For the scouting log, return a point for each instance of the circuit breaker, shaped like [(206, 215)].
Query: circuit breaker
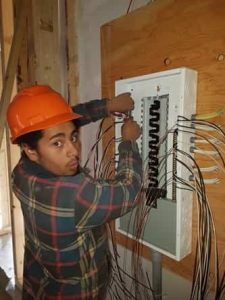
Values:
[(161, 98)]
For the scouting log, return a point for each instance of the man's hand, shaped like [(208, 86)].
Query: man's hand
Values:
[(122, 103), (130, 130)]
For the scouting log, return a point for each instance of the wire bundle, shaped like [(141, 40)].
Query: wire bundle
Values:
[(206, 244), (207, 141)]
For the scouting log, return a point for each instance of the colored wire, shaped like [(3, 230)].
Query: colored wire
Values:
[(208, 115), (206, 233)]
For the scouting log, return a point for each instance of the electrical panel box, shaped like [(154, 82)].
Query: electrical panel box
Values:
[(159, 99)]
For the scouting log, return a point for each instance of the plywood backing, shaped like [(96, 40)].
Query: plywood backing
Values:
[(168, 34)]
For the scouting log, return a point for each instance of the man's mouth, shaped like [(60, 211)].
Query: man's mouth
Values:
[(74, 164)]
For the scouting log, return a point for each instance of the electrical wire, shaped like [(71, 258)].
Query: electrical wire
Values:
[(203, 141), (129, 6), (210, 169), (207, 116), (206, 244)]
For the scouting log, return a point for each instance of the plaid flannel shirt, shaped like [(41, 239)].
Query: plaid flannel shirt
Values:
[(66, 247)]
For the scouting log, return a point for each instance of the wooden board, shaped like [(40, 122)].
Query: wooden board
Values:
[(72, 54), (49, 48), (165, 35), (7, 31)]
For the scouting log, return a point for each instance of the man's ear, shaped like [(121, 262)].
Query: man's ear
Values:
[(31, 153)]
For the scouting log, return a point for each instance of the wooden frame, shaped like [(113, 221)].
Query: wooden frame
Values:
[(35, 53)]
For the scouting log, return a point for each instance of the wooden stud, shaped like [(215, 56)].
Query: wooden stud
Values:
[(12, 65)]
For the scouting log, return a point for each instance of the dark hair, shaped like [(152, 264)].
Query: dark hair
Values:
[(30, 138)]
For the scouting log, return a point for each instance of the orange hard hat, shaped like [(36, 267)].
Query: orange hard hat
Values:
[(36, 108)]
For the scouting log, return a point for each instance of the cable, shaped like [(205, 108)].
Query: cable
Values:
[(202, 141), (128, 9), (203, 152), (208, 115), (209, 169), (202, 279)]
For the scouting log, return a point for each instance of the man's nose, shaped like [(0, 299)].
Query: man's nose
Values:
[(72, 150)]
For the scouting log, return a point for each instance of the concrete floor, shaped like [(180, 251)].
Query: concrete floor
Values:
[(8, 290)]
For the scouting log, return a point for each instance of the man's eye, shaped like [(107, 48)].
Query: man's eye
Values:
[(58, 144), (74, 138)]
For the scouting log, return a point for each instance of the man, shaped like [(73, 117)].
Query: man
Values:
[(65, 210)]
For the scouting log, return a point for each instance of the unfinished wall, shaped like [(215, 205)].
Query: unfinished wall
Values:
[(7, 31), (43, 61)]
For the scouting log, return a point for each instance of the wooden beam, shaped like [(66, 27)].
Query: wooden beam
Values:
[(72, 55), (49, 44), (12, 65), (10, 154)]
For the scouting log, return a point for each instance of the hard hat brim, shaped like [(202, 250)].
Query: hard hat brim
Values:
[(51, 122)]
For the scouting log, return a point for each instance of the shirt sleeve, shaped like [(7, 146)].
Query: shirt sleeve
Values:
[(98, 202), (91, 111)]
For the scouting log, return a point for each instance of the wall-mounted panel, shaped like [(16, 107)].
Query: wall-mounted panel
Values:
[(160, 98)]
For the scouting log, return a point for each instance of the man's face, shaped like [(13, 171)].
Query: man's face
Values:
[(58, 150)]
